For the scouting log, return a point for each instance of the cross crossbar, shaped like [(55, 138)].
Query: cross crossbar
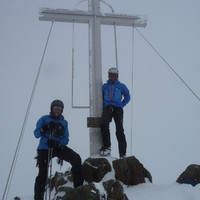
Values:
[(65, 15)]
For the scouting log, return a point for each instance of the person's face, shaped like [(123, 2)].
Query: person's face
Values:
[(57, 110), (113, 77)]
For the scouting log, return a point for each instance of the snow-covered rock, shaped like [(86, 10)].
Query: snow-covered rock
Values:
[(111, 188)]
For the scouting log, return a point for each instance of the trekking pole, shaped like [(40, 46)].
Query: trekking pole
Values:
[(49, 163), (47, 173), (50, 175)]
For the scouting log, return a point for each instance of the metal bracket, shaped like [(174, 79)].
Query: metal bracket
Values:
[(93, 122)]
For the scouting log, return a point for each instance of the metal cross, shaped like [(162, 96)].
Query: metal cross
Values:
[(94, 18)]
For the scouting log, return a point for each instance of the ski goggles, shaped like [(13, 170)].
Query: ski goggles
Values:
[(57, 108)]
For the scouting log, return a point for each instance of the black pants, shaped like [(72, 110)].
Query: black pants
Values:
[(110, 112), (65, 154)]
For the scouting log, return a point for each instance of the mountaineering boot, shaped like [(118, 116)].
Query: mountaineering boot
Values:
[(105, 151), (121, 156)]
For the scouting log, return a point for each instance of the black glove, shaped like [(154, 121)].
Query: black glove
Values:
[(44, 129), (53, 144), (50, 126), (58, 130)]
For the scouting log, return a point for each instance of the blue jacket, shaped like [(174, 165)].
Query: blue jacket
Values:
[(116, 94), (64, 139)]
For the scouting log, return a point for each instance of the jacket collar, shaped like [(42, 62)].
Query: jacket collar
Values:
[(111, 83), (55, 117)]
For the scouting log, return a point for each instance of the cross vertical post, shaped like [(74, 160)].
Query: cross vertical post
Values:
[(95, 74), (94, 18)]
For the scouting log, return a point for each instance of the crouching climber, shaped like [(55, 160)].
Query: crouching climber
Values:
[(53, 132)]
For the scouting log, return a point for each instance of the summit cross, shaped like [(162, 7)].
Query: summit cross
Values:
[(94, 18)]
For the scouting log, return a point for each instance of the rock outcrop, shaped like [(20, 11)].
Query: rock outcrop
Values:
[(99, 184), (130, 171), (104, 179), (191, 175), (94, 169), (114, 190), (85, 192)]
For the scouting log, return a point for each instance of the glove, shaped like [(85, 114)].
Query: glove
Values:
[(58, 130), (44, 129), (50, 126), (53, 144)]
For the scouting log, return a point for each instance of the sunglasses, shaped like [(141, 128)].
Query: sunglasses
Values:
[(57, 108)]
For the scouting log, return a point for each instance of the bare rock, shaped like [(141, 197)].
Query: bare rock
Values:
[(130, 171), (85, 192), (58, 180), (114, 190), (94, 169), (191, 175)]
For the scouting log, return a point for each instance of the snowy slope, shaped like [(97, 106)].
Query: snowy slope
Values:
[(163, 192)]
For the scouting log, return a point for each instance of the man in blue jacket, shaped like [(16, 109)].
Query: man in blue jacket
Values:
[(115, 97), (53, 132)]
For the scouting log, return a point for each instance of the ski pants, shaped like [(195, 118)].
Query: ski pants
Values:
[(65, 154), (108, 113)]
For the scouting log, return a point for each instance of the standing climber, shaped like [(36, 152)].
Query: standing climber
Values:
[(115, 97), (53, 132)]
